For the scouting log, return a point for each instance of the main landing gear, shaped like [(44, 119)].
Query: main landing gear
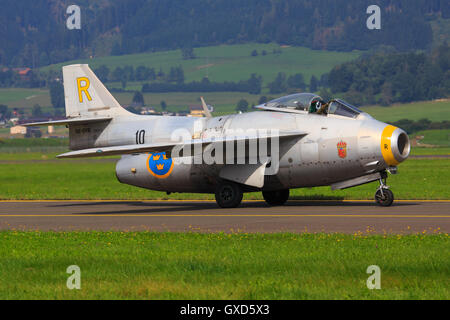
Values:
[(276, 198), (228, 194), (383, 196)]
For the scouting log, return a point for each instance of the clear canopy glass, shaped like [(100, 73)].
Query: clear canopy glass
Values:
[(298, 101), (303, 101), (342, 108)]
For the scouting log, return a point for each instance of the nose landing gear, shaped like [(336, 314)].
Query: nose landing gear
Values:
[(383, 196)]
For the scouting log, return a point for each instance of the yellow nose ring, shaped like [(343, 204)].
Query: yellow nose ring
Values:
[(386, 149)]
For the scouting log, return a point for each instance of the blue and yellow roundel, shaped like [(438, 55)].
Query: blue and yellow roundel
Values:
[(159, 165)]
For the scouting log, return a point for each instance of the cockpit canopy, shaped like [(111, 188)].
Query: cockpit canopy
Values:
[(304, 102), (342, 108), (298, 101)]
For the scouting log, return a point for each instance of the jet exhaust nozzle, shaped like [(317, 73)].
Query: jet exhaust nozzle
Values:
[(401, 146)]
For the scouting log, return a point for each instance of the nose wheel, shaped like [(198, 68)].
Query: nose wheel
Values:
[(383, 196)]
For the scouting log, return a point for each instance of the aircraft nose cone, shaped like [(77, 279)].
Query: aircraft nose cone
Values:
[(395, 145)]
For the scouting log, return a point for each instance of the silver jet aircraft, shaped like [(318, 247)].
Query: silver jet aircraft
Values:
[(295, 141)]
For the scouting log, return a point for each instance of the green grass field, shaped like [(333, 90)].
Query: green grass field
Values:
[(35, 175), (435, 137), (26, 147), (440, 151), (230, 62), (16, 94), (432, 110), (225, 102), (25, 98), (142, 265)]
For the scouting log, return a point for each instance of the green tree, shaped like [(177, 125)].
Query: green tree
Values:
[(187, 53), (176, 74), (36, 111), (118, 74), (313, 84), (325, 94), (102, 73), (255, 83), (242, 105), (386, 94), (404, 84), (163, 105), (129, 73), (43, 59), (262, 99), (279, 84), (341, 78), (116, 49), (57, 94), (161, 73), (138, 99), (4, 111), (142, 73), (296, 81)]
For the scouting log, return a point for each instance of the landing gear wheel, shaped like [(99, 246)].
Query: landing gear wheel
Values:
[(384, 197), (228, 195), (276, 198)]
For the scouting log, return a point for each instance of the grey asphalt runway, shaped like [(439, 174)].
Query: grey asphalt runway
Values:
[(205, 216)]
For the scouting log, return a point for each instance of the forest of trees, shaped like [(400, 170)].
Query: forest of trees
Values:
[(252, 86), (140, 73), (33, 33), (388, 78)]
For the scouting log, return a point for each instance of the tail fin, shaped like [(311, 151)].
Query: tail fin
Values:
[(86, 96)]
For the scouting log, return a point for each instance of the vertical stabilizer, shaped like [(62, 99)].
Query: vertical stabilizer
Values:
[(86, 96)]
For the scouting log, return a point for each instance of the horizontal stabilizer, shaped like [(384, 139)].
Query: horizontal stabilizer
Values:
[(68, 121), (167, 147), (205, 108)]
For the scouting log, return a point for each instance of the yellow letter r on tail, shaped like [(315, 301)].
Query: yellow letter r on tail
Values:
[(83, 88)]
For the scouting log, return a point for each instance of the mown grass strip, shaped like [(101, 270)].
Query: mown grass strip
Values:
[(145, 265)]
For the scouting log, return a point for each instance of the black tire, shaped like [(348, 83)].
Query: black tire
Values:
[(228, 195), (276, 198), (385, 199)]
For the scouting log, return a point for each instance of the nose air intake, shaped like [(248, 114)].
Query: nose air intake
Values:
[(395, 145)]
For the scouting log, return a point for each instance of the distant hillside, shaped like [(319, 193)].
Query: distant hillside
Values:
[(33, 32), (389, 78), (227, 62)]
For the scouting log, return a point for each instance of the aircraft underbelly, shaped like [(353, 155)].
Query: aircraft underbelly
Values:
[(173, 175)]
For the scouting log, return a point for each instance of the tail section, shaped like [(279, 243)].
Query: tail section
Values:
[(86, 96)]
